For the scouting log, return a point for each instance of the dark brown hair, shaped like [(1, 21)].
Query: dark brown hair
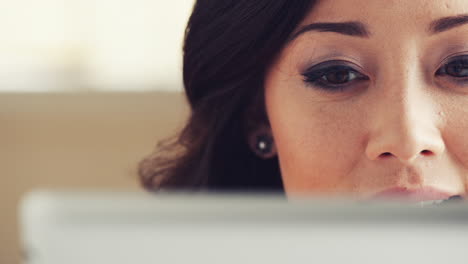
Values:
[(229, 45)]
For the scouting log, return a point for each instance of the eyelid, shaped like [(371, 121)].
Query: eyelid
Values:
[(322, 68), (448, 59), (331, 63)]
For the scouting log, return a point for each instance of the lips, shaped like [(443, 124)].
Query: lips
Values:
[(413, 195)]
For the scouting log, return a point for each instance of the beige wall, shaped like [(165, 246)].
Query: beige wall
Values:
[(87, 140)]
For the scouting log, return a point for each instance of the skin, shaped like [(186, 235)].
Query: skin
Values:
[(403, 127)]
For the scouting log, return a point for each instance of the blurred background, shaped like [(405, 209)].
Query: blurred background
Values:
[(87, 88)]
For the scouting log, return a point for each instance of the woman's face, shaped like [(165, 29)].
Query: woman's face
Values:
[(370, 99)]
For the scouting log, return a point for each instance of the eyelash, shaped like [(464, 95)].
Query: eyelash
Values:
[(318, 75), (446, 70)]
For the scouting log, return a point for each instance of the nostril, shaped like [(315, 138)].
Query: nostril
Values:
[(426, 152), (386, 154)]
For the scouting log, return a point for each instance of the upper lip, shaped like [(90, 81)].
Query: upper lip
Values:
[(414, 195)]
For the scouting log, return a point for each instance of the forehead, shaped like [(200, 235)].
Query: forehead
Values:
[(386, 13)]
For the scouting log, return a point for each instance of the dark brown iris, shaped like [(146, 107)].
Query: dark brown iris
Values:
[(457, 68), (338, 77)]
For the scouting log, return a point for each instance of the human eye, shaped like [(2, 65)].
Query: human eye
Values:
[(456, 69), (333, 76)]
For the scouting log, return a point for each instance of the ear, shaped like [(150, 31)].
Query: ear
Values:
[(261, 142), (257, 129)]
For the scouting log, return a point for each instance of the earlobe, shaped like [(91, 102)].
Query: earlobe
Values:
[(261, 142)]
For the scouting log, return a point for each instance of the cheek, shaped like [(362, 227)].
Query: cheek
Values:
[(318, 143), (455, 133)]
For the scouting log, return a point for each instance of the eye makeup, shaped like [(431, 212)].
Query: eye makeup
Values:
[(333, 76), (453, 72), (336, 76), (456, 67)]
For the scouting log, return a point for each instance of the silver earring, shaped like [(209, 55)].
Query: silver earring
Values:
[(264, 144)]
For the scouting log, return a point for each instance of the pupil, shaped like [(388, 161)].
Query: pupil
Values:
[(338, 77)]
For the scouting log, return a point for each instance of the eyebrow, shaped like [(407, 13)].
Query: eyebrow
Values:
[(355, 29), (447, 23), (358, 29)]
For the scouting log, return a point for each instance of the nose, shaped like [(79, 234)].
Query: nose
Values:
[(404, 126)]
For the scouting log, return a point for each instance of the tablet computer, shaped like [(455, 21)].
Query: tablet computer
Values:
[(120, 227)]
